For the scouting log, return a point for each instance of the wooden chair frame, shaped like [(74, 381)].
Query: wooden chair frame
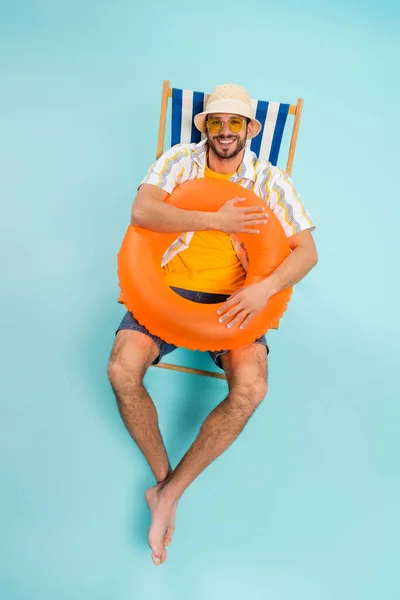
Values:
[(296, 110)]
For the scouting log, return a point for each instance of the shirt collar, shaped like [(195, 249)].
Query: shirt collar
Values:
[(246, 169)]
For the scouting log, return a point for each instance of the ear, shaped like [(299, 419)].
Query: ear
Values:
[(249, 128)]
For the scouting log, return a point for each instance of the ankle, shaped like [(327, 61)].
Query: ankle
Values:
[(169, 492), (162, 477)]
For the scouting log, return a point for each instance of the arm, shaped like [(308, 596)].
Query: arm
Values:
[(149, 208), (151, 212), (253, 298), (295, 267)]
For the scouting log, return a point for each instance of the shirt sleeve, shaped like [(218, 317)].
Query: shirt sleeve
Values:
[(287, 205), (167, 172)]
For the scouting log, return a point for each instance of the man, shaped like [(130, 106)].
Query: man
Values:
[(207, 265)]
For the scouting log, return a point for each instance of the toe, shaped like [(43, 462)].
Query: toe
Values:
[(168, 536), (156, 546), (157, 558)]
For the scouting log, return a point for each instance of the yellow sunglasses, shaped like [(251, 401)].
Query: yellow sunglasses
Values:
[(215, 125)]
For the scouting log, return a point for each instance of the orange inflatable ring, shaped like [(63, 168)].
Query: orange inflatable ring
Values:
[(176, 320)]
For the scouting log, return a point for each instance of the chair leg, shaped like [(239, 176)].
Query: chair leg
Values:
[(189, 370)]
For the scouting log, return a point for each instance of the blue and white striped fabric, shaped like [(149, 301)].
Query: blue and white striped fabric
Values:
[(272, 116)]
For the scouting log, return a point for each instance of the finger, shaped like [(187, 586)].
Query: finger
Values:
[(253, 209), (235, 200), (247, 320), (229, 302), (255, 217), (228, 311), (248, 230), (238, 319), (230, 314), (253, 221)]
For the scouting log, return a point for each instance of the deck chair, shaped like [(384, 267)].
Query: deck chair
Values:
[(273, 117)]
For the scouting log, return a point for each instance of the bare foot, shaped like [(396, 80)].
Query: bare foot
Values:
[(171, 525), (162, 522)]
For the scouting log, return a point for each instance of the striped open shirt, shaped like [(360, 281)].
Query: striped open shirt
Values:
[(187, 161)]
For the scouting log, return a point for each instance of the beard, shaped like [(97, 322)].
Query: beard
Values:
[(227, 153)]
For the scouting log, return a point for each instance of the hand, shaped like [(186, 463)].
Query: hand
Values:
[(234, 219), (243, 305)]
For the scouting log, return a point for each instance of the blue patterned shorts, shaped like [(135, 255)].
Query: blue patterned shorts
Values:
[(129, 322)]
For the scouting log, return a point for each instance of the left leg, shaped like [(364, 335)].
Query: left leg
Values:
[(246, 370)]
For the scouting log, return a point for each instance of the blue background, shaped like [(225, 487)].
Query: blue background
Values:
[(304, 506)]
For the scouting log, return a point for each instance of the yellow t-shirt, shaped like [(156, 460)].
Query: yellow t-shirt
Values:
[(210, 264)]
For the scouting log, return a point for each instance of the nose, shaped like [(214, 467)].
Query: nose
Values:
[(225, 130)]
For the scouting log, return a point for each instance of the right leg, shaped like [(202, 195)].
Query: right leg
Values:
[(133, 352)]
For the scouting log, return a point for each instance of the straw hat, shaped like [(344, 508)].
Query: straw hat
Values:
[(232, 99)]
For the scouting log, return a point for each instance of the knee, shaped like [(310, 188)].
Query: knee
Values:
[(126, 365), (125, 382), (116, 371), (249, 394), (257, 390)]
